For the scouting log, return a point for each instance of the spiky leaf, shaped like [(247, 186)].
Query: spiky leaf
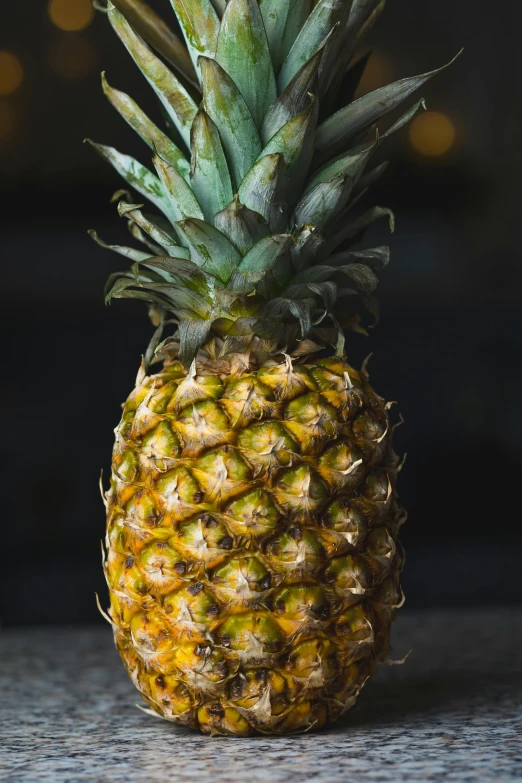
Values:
[(209, 248), (137, 176), (319, 24), (241, 225), (337, 131), (200, 25), (323, 202), (244, 54), (348, 229), (375, 257), (210, 178), (306, 248), (283, 19), (192, 334), (350, 165), (151, 226), (155, 32), (127, 252), (295, 140), (146, 129), (174, 98), (265, 190), (183, 202), (219, 6), (226, 107), (294, 99), (360, 12), (266, 253)]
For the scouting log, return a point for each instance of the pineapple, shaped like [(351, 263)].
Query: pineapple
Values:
[(252, 519)]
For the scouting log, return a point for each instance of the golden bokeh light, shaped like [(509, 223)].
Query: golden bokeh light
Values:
[(379, 71), (432, 134), (11, 73), (71, 57), (8, 121), (71, 15)]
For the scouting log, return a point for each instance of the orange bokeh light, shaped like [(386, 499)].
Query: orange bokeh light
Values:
[(11, 73), (71, 57), (432, 134), (71, 15)]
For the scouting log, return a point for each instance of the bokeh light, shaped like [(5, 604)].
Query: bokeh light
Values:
[(432, 134), (71, 15), (379, 71), (11, 73), (72, 57), (8, 121)]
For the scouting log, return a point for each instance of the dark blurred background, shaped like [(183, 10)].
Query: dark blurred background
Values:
[(449, 347)]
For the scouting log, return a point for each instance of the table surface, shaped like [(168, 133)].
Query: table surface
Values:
[(452, 712)]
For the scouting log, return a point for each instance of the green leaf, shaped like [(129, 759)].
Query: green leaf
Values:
[(295, 140), (352, 228), (140, 236), (363, 279), (306, 248), (182, 200), (314, 274), (200, 25), (283, 19), (238, 337), (350, 165), (219, 6), (128, 252), (265, 190), (328, 293), (303, 310), (244, 282), (192, 334), (340, 129), (360, 12), (376, 257), (361, 276), (323, 202), (226, 107), (182, 298), (403, 120), (187, 274), (266, 253), (129, 287), (241, 225), (294, 99), (209, 248), (175, 99), (373, 175), (137, 176), (343, 92), (154, 31), (326, 14), (243, 53), (210, 178), (151, 227), (146, 129)]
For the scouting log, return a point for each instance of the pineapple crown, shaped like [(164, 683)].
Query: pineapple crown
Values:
[(263, 159)]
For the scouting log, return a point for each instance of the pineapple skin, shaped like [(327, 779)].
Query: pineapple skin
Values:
[(251, 544)]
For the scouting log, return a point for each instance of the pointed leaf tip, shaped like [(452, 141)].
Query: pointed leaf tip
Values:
[(341, 128), (173, 96)]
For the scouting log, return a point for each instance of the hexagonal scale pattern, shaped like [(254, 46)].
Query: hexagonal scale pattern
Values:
[(252, 556)]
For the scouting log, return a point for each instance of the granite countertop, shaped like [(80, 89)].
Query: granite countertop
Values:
[(451, 713)]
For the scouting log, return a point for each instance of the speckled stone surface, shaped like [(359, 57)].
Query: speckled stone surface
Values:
[(453, 712)]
